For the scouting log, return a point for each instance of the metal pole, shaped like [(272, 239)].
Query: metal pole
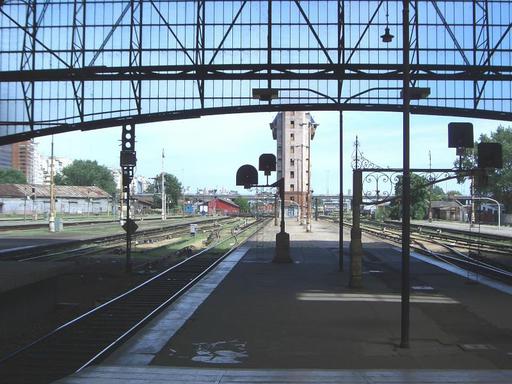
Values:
[(302, 184), (299, 174), (430, 189), (356, 247), (52, 193), (128, 234), (472, 193), (281, 193), (34, 204), (340, 229), (308, 196), (499, 215), (275, 210), (121, 198), (164, 215), (406, 184)]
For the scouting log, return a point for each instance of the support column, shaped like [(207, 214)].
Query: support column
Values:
[(356, 246), (406, 184), (340, 241)]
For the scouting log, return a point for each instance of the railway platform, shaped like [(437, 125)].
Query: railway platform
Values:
[(255, 321)]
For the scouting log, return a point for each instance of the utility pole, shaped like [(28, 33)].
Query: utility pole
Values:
[(430, 190), (301, 221), (164, 207), (52, 193)]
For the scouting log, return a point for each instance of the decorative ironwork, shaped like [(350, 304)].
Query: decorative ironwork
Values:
[(378, 183), (132, 61), (359, 161)]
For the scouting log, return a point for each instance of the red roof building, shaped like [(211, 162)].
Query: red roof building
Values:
[(222, 207)]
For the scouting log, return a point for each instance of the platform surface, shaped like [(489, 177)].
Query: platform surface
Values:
[(256, 321)]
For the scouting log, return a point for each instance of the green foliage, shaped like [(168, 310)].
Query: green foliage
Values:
[(499, 184), (172, 190), (381, 213), (243, 203), (419, 198), (12, 176), (87, 173), (437, 193)]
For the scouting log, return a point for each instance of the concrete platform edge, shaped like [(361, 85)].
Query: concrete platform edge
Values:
[(157, 374), (142, 347)]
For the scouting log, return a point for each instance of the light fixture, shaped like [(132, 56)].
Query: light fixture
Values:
[(265, 94), (417, 93), (387, 37)]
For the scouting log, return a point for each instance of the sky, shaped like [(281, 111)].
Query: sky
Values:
[(206, 152)]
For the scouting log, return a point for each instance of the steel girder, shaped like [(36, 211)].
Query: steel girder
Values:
[(198, 57)]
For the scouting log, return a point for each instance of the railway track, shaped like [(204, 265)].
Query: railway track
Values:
[(474, 255), (80, 247), (483, 254), (24, 225), (92, 336), (109, 243)]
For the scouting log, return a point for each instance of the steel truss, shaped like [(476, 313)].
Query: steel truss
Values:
[(85, 65)]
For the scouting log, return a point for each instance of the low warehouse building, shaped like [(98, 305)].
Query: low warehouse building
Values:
[(35, 199)]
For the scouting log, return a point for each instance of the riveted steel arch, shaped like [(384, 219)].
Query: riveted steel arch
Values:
[(74, 64)]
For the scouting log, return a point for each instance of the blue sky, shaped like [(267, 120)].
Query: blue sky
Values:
[(206, 152)]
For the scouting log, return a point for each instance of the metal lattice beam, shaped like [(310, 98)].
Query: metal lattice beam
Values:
[(135, 53), (134, 60), (78, 53)]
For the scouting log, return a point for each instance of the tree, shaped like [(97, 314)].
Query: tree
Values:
[(499, 182), (172, 190), (12, 176), (419, 198), (243, 203), (437, 193), (86, 173)]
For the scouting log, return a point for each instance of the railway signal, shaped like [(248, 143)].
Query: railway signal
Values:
[(130, 226), (247, 176), (128, 161)]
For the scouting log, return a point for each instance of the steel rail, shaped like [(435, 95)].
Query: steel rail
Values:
[(151, 315), (394, 235), (115, 241), (17, 252), (93, 334)]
